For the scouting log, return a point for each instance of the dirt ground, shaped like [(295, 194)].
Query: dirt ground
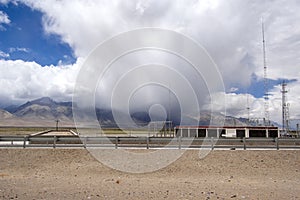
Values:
[(75, 174)]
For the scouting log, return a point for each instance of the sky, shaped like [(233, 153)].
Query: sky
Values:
[(43, 44)]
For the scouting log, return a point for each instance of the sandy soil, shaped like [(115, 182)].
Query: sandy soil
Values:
[(75, 174)]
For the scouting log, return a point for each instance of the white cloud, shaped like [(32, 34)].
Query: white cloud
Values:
[(4, 1), (3, 54), (3, 19), (234, 89), (236, 104), (22, 81), (229, 30), (22, 49), (9, 1)]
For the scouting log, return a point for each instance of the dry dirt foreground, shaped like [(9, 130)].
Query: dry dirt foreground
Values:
[(75, 174)]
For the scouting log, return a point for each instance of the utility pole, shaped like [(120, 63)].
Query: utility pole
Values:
[(57, 124)]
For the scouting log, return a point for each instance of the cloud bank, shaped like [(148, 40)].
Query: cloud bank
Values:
[(21, 81), (229, 30)]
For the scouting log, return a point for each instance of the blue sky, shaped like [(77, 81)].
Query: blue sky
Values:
[(256, 86), (24, 38), (63, 33)]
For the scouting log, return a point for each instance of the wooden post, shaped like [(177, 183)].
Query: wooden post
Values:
[(244, 142)]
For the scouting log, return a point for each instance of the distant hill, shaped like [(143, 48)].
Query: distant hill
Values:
[(5, 114), (40, 112), (44, 111)]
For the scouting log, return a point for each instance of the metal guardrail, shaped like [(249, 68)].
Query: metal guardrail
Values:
[(148, 142)]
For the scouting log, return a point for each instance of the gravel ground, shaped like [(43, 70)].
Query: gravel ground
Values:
[(75, 174)]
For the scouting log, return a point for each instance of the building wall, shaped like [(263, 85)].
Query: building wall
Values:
[(219, 132)]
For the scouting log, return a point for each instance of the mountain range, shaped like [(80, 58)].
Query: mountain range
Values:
[(40, 112), (45, 111)]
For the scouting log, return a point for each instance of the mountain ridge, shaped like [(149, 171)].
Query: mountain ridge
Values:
[(45, 110)]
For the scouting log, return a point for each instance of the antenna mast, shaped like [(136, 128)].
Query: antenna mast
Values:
[(248, 109), (266, 92), (285, 108)]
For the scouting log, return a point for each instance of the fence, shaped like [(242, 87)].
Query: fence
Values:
[(148, 142)]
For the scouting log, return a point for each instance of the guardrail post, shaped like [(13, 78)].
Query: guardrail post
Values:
[(179, 142), (116, 142), (24, 141), (54, 141), (147, 142), (84, 142), (277, 143), (244, 143), (212, 143)]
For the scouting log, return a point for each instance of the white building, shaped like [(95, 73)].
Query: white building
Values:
[(227, 131)]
